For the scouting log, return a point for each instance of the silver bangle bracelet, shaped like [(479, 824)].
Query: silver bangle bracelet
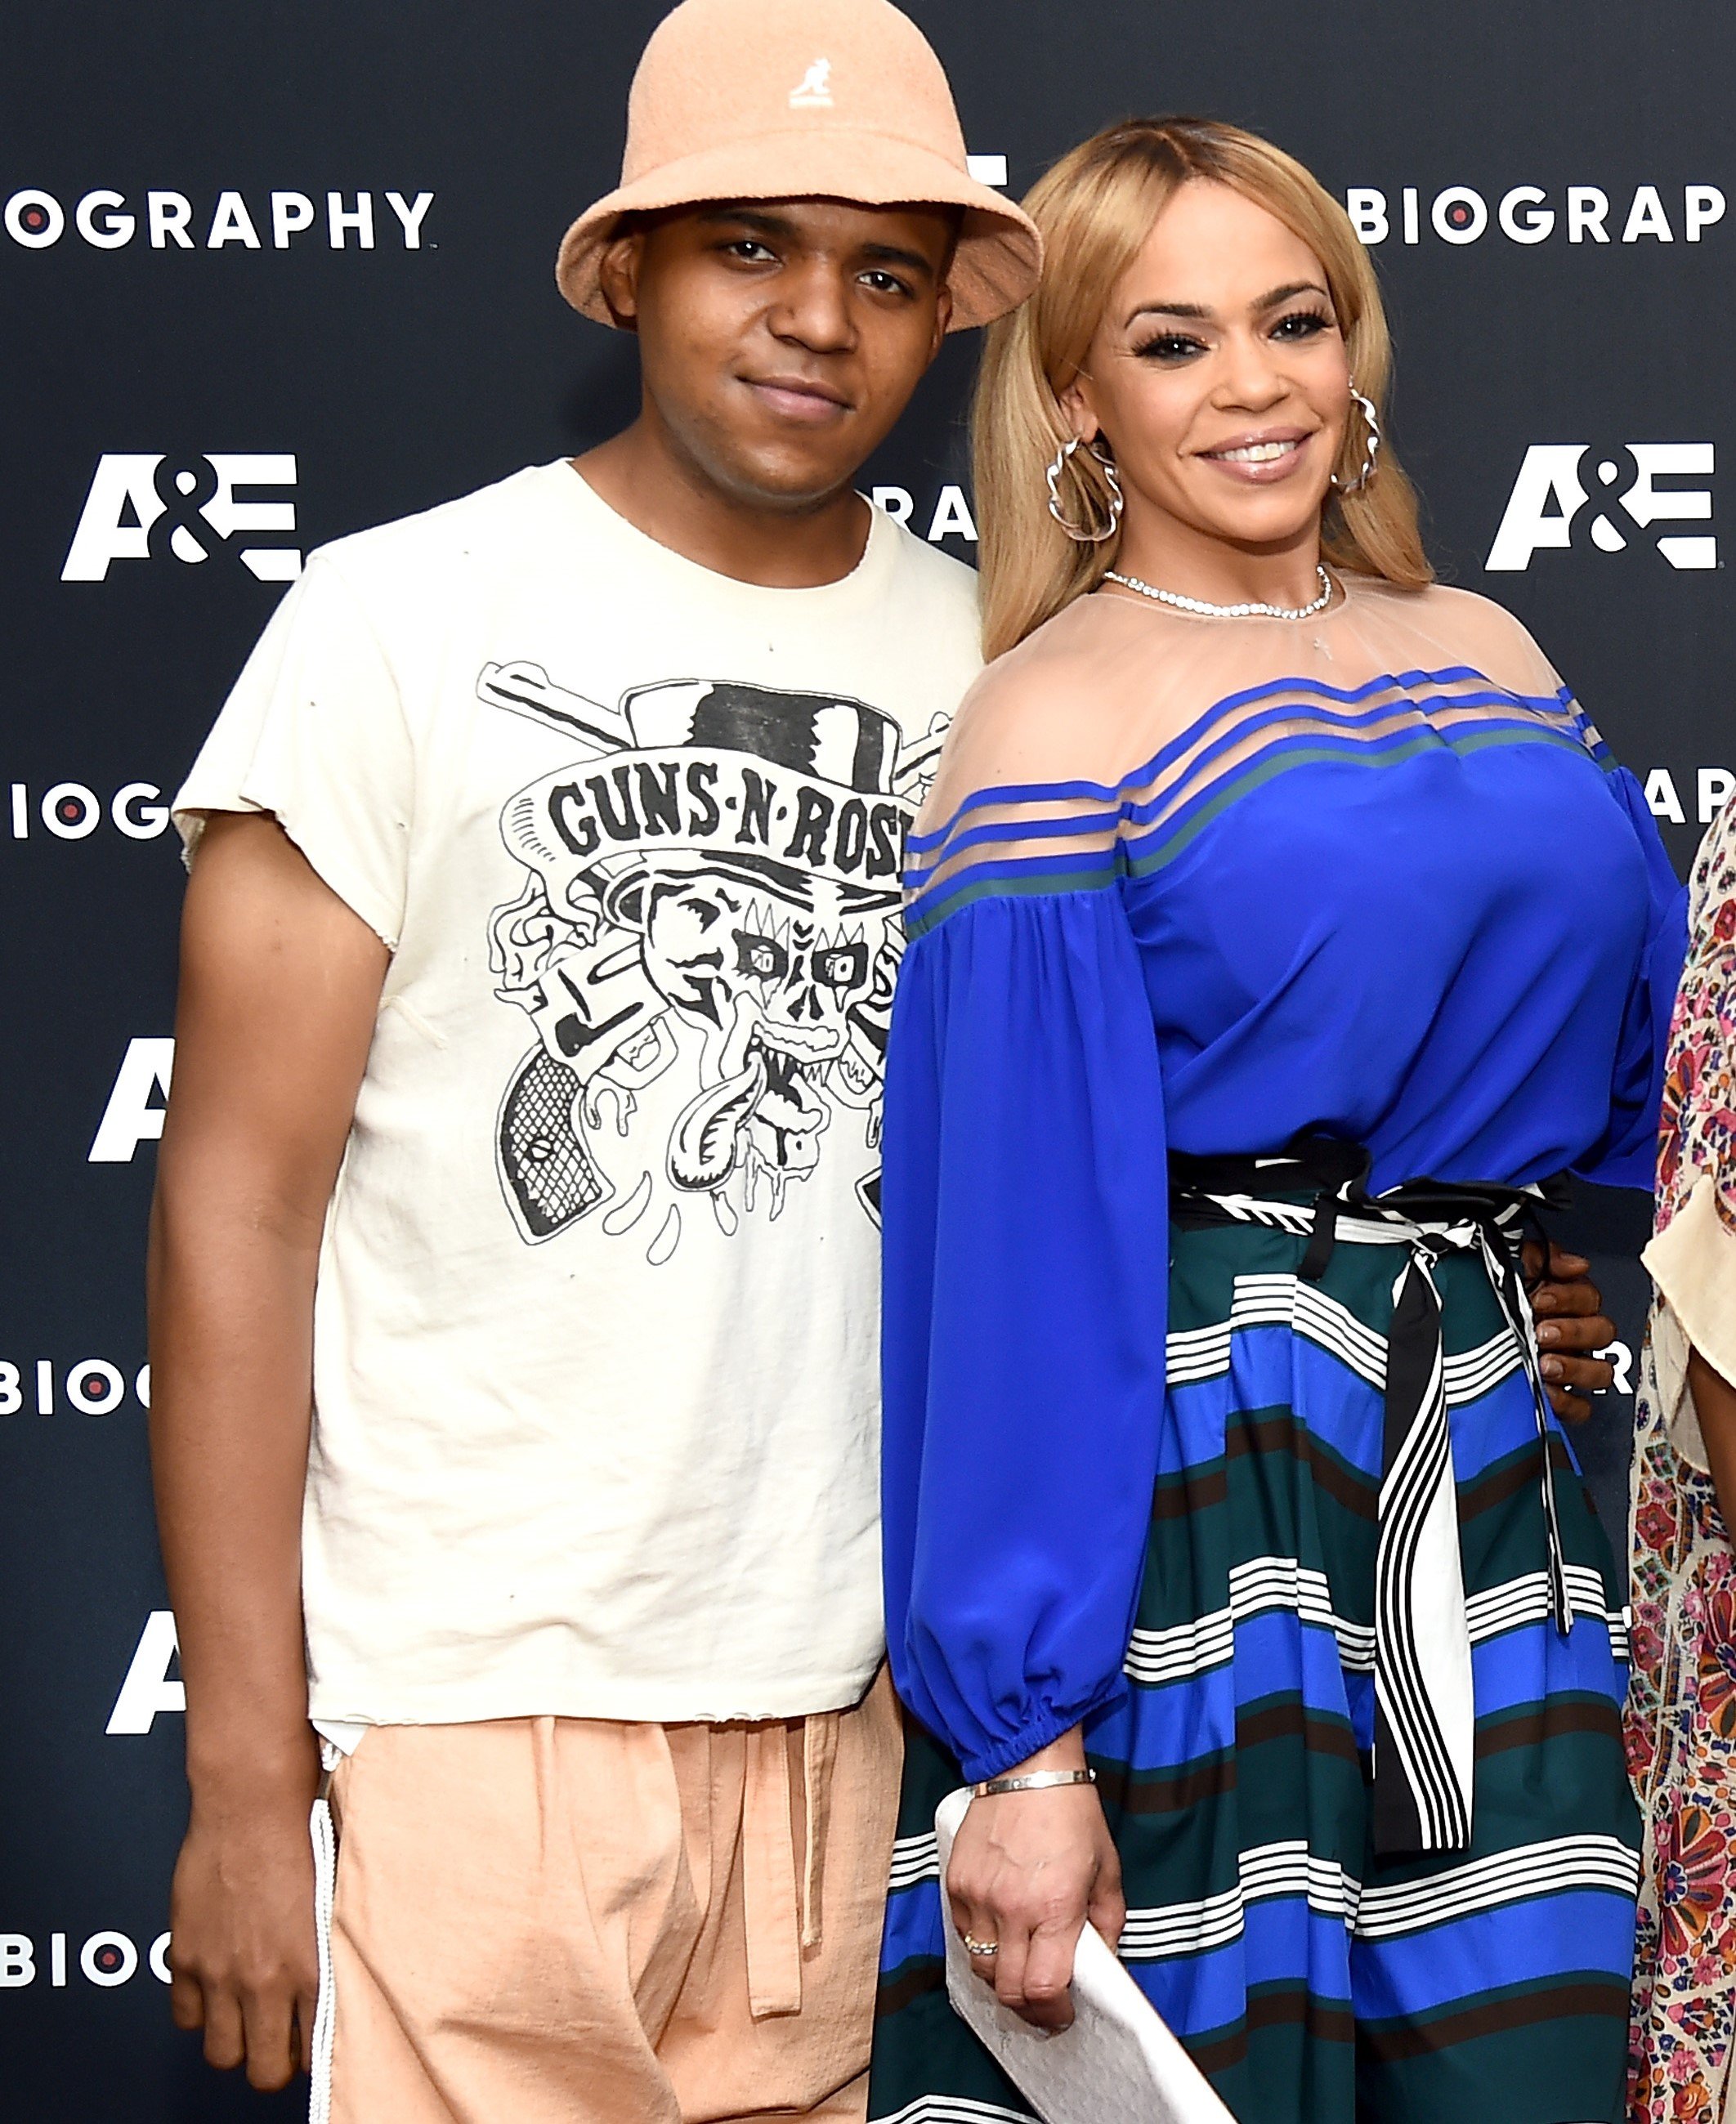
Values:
[(1038, 1781)]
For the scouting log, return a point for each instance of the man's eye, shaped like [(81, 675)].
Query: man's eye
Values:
[(886, 283), (749, 248)]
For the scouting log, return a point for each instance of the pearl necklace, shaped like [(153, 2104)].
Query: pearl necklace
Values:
[(1228, 611)]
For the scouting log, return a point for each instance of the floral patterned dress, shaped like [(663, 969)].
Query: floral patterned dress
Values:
[(1681, 1719)]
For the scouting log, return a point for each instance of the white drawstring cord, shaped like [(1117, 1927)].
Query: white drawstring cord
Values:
[(325, 1888)]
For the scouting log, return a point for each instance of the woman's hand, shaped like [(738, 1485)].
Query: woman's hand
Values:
[(1029, 1870)]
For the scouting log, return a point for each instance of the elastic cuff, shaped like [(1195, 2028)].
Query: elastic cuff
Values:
[(1044, 1726)]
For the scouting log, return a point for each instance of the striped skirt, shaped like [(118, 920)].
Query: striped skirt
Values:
[(1313, 1982)]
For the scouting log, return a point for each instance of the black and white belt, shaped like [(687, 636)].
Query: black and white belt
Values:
[(1423, 1709)]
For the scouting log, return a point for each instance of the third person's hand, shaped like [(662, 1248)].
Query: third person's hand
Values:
[(1571, 1324)]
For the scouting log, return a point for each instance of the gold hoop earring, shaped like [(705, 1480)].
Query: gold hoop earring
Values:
[(1370, 449), (1116, 499)]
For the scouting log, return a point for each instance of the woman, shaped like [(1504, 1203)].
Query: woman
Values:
[(1681, 1707), (1248, 842)]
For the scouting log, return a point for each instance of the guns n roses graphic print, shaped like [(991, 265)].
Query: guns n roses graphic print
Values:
[(705, 945)]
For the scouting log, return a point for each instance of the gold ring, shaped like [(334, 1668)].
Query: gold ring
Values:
[(987, 1948)]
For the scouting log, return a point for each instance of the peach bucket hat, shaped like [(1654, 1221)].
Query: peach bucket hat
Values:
[(803, 99)]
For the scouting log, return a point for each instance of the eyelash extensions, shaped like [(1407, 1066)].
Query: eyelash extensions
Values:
[(1169, 346)]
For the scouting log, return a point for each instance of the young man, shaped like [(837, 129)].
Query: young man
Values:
[(537, 963), (539, 951)]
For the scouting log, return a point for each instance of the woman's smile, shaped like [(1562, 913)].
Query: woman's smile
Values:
[(1263, 458)]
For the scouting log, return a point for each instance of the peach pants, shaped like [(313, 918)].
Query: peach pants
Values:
[(573, 1921)]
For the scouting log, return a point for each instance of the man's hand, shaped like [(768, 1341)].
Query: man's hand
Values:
[(1571, 1322), (242, 1961)]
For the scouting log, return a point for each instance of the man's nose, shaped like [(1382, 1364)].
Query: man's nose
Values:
[(813, 306)]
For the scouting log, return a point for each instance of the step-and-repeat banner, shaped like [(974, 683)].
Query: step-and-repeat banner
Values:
[(272, 272)]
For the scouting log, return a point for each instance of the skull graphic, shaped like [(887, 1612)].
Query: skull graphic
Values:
[(729, 870), (772, 986)]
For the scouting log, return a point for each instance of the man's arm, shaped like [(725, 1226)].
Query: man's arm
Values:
[(279, 984)]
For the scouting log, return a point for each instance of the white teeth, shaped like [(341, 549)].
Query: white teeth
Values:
[(1256, 452)]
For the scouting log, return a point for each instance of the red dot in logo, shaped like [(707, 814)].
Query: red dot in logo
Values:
[(1458, 213), (71, 809), (108, 1958), (35, 217)]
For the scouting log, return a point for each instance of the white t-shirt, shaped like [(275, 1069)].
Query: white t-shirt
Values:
[(595, 1342)]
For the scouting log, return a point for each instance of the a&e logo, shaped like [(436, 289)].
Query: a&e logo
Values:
[(143, 507), (1615, 491)]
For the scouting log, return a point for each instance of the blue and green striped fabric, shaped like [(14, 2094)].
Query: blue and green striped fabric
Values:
[(1313, 1985)]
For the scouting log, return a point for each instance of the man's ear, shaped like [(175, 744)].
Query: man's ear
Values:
[(618, 274), (942, 317)]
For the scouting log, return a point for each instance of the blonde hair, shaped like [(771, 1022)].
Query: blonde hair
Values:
[(1095, 208)]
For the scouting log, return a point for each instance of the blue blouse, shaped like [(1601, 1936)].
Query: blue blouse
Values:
[(1420, 910)]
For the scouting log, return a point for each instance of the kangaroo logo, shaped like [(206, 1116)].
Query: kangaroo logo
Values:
[(814, 91)]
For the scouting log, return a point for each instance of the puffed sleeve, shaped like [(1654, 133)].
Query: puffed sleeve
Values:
[(1627, 1156), (1025, 1223)]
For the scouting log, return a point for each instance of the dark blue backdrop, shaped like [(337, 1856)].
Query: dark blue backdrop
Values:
[(319, 237)]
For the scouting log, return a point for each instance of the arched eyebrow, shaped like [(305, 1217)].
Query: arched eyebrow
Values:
[(1205, 314)]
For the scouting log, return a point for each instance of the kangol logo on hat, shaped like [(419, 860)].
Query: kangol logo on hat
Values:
[(813, 91), (712, 116)]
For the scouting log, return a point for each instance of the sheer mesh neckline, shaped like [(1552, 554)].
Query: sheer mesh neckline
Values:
[(1104, 744)]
